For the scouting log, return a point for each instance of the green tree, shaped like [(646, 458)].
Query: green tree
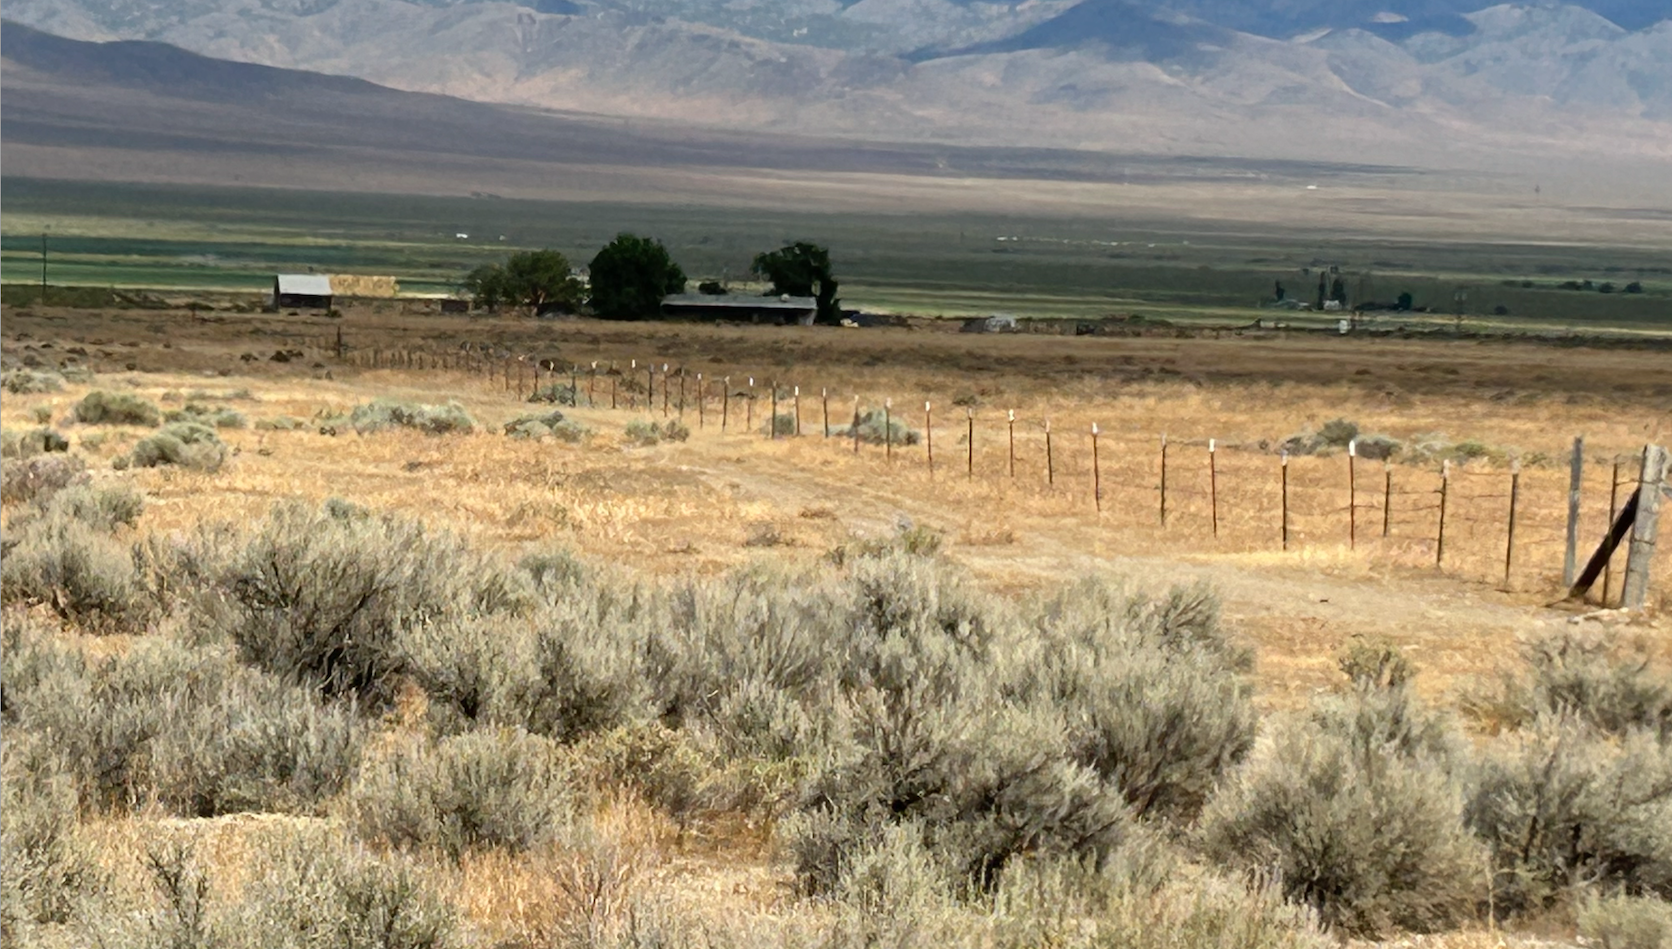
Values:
[(631, 275), (537, 279), (802, 270)]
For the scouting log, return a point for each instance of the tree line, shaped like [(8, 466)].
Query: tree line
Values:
[(630, 276)]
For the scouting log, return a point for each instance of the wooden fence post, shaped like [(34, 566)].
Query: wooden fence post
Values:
[(1509, 540), (664, 388), (1641, 551), (969, 438), (1050, 461), (1440, 536), (1352, 494), (1576, 473), (1012, 443), (725, 403), (1213, 485), (632, 400), (1613, 512), (824, 400), (929, 435), (1285, 463), (590, 381), (1096, 472), (682, 392), (339, 344), (574, 385), (888, 429), (856, 424), (1387, 497), (1163, 479)]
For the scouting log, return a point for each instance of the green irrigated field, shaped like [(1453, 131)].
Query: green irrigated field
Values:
[(226, 239)]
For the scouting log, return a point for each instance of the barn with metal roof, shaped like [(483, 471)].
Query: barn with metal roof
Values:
[(308, 290)]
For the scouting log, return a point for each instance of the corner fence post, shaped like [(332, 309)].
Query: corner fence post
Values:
[(1576, 474), (1640, 554), (1613, 513)]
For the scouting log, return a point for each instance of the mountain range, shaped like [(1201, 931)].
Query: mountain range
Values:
[(1437, 82)]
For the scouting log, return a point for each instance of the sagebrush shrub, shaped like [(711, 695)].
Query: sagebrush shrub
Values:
[(323, 599), (873, 431), (1588, 676), (1561, 805), (116, 408), (494, 788), (186, 444), (1371, 838), (643, 432), (39, 477), (187, 728), (48, 866), (1626, 922), (36, 441), (384, 414), (218, 416), (83, 573), (31, 381)]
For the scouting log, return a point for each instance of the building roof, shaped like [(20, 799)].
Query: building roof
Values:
[(740, 302), (305, 284)]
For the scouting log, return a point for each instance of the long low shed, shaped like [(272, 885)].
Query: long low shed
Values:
[(302, 290), (702, 306)]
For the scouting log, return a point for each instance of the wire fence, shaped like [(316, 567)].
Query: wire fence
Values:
[(1485, 519)]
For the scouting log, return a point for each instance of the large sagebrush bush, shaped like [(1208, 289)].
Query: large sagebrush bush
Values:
[(323, 599), (63, 553), (31, 381), (1151, 692), (1564, 806), (189, 729), (183, 444), (1627, 922), (48, 867), (39, 477), (1603, 682), (116, 408), (487, 789), (1355, 809), (384, 414)]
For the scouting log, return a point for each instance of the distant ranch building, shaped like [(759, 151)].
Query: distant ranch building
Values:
[(781, 310), (316, 291), (302, 290)]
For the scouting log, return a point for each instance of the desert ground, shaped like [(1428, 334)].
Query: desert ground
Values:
[(728, 494)]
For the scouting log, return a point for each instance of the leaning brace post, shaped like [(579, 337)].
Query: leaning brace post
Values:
[(1576, 473), (1645, 526)]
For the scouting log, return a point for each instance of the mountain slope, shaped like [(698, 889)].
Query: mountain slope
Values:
[(1219, 77)]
